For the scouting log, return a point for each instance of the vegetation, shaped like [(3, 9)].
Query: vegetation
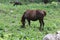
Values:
[(27, 1), (10, 21)]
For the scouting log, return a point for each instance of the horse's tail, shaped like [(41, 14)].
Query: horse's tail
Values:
[(44, 13)]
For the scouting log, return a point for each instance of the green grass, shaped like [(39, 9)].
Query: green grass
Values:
[(10, 21)]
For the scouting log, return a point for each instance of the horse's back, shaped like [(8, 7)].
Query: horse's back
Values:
[(34, 14), (41, 12), (30, 14)]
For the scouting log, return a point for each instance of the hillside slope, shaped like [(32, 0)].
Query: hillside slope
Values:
[(10, 21)]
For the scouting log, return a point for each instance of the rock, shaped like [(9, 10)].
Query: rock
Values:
[(52, 36)]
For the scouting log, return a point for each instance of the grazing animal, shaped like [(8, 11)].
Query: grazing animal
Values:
[(58, 0), (32, 1), (45, 1), (33, 15), (16, 3)]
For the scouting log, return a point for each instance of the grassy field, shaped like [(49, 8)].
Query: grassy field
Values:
[(10, 21)]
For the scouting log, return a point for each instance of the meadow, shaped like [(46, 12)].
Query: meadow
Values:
[(10, 21)]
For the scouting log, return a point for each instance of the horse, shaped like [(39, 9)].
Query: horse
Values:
[(45, 1), (16, 3), (33, 15)]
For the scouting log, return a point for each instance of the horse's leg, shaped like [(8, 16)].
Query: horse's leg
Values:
[(28, 22), (41, 24)]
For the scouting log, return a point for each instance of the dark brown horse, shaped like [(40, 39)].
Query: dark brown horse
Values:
[(16, 3), (34, 15), (46, 1)]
